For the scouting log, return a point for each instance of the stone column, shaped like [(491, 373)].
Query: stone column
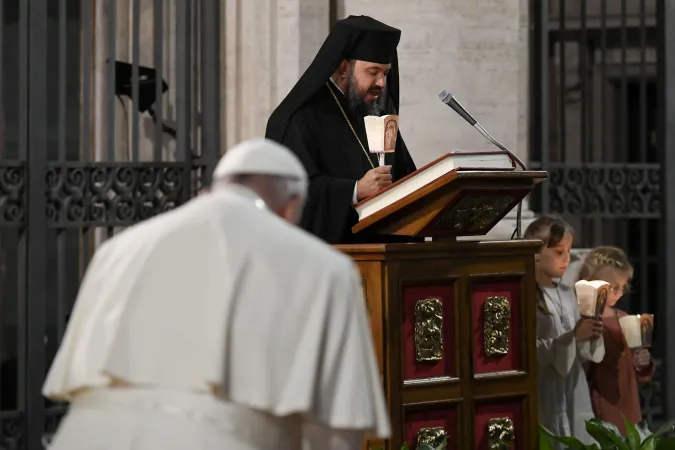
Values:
[(478, 51), (267, 46)]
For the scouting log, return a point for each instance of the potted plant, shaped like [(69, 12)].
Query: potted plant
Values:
[(608, 437)]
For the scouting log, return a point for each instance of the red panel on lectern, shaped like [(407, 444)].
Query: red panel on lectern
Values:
[(480, 292), (412, 369)]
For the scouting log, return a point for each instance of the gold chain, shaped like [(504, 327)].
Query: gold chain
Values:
[(350, 124)]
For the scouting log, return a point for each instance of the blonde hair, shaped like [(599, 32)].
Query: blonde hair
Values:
[(602, 257), (551, 230)]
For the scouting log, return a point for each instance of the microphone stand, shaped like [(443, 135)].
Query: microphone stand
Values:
[(447, 98), (519, 209)]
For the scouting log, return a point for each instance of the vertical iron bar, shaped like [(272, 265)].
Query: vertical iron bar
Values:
[(562, 66), (135, 56), (541, 76), (583, 80), (62, 62), (3, 236), (210, 81), (36, 227), (666, 142), (623, 127), (644, 250), (112, 57), (158, 42), (86, 115), (61, 234), (23, 269), (87, 18), (183, 97), (603, 80)]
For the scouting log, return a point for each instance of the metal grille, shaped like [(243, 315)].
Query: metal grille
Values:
[(600, 102), (87, 149)]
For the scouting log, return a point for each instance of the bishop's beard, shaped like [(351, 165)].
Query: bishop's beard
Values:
[(357, 102)]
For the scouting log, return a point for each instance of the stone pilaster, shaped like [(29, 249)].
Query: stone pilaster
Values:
[(267, 44)]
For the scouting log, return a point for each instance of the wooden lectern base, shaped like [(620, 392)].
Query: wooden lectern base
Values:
[(454, 331)]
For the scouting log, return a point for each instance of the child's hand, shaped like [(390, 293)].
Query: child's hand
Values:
[(598, 328), (641, 358), (585, 329)]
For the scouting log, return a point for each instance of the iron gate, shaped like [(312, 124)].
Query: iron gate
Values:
[(89, 145), (602, 125)]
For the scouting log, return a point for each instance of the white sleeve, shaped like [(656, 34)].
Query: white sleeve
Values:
[(355, 199), (560, 351), (317, 437), (591, 350)]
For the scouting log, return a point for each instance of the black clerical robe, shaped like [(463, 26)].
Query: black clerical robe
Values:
[(321, 137)]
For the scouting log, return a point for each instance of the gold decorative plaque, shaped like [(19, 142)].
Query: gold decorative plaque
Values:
[(429, 330), (432, 436), (496, 323), (501, 433)]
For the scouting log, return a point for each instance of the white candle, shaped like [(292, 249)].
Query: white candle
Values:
[(630, 325)]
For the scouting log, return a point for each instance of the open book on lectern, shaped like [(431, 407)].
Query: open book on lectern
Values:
[(458, 160)]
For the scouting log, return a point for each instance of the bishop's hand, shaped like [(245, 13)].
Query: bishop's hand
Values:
[(373, 182)]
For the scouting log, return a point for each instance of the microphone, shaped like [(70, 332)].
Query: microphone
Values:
[(447, 98)]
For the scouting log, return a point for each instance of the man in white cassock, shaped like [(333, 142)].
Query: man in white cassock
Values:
[(220, 325)]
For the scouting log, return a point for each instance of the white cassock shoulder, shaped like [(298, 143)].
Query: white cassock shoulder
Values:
[(322, 357)]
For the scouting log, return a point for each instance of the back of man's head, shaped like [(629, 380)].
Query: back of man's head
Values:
[(270, 170)]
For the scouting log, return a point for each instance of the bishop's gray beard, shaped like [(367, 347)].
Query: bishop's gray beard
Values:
[(357, 103)]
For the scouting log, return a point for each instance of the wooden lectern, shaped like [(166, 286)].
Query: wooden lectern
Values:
[(454, 322)]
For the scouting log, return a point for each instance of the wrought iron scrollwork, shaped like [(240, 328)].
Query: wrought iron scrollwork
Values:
[(112, 194), (608, 190), (432, 436), (12, 431), (496, 323), (12, 188), (501, 433), (429, 330)]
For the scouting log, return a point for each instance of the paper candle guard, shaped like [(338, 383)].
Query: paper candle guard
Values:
[(638, 330), (647, 329), (382, 133), (593, 307)]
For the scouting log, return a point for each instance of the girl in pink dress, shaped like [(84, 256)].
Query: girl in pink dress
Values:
[(614, 380)]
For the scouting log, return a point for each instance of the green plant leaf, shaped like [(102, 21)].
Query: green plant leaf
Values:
[(406, 447), (425, 447), (606, 434), (632, 435), (665, 444), (665, 428), (544, 441), (571, 442)]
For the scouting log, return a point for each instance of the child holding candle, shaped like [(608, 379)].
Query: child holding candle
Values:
[(614, 380), (564, 339)]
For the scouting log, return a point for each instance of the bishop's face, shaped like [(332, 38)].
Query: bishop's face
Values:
[(367, 84)]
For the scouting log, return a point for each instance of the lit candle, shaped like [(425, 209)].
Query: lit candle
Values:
[(630, 325)]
